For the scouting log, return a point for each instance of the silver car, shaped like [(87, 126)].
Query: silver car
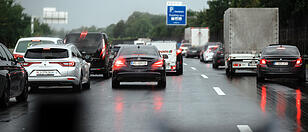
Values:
[(56, 65)]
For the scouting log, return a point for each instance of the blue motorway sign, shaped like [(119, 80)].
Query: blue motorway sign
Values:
[(176, 15)]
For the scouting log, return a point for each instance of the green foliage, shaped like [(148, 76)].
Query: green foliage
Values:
[(13, 22)]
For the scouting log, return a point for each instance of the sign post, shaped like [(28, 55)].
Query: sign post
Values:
[(176, 13)]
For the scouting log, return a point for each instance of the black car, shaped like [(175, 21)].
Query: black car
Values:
[(96, 46), (141, 63), (280, 61), (13, 78), (218, 58), (193, 52)]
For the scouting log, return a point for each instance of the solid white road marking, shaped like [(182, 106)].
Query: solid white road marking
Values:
[(244, 128), (204, 76), (219, 91), (193, 68), (184, 64)]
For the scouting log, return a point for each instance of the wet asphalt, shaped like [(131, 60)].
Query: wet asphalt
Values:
[(202, 99)]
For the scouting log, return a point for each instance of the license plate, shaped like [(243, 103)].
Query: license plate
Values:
[(281, 63), (139, 63), (252, 64), (45, 73)]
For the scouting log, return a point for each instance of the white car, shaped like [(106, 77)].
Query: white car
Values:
[(209, 52), (173, 57), (56, 65), (24, 43)]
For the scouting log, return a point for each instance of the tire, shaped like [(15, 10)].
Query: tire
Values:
[(78, 87), (301, 77), (214, 65), (115, 83), (106, 74), (162, 83), (5, 97), (260, 77), (179, 70), (24, 95), (87, 85)]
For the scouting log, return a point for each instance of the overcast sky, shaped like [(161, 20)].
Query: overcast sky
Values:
[(101, 13)]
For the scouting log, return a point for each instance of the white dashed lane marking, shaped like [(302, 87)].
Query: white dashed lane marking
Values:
[(244, 128), (193, 68), (184, 64), (218, 91), (204, 76)]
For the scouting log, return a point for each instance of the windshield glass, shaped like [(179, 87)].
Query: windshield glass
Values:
[(23, 45), (88, 43), (281, 51), (46, 54), (139, 51)]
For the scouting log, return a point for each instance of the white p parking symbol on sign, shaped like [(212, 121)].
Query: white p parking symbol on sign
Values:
[(171, 9)]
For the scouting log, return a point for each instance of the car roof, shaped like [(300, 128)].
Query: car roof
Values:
[(64, 46), (40, 38), (278, 45)]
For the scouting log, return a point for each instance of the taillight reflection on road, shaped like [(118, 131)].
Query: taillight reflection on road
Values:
[(281, 106), (158, 102), (298, 110), (263, 98)]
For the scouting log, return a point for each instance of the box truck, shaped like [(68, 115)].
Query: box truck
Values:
[(246, 32), (197, 36)]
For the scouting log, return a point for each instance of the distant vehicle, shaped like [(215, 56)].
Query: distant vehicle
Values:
[(184, 47), (139, 64), (95, 45), (142, 41), (173, 57), (279, 61), (24, 43), (246, 32), (218, 58), (13, 78), (197, 36), (193, 52), (53, 65), (207, 51), (113, 53)]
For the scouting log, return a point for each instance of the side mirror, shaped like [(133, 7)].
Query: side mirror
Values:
[(20, 59), (165, 56)]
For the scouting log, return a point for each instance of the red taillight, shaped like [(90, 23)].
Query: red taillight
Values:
[(179, 51), (70, 79), (159, 63), (18, 56), (64, 64), (263, 61), (120, 62), (26, 64), (299, 62)]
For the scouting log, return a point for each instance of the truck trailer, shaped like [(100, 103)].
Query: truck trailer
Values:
[(246, 32)]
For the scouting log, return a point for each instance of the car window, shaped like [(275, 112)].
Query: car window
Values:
[(23, 45), (8, 53), (134, 50), (284, 51), (88, 43), (40, 53), (3, 54)]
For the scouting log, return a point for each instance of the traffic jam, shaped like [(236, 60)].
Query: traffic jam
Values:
[(88, 81)]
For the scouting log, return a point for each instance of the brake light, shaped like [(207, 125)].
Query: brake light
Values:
[(263, 61), (179, 51), (299, 62), (120, 62), (18, 56), (64, 64), (26, 64), (159, 63), (83, 34)]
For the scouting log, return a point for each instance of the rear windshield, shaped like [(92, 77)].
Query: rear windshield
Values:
[(46, 54), (283, 51), (23, 45), (88, 43), (139, 51)]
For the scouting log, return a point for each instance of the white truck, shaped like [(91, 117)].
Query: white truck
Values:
[(173, 57), (246, 32), (197, 36)]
